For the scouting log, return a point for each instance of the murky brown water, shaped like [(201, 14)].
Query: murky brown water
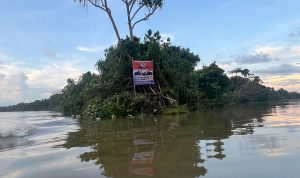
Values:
[(260, 140)]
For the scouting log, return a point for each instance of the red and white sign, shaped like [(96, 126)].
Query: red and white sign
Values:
[(143, 72)]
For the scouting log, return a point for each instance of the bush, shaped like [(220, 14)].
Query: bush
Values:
[(120, 105)]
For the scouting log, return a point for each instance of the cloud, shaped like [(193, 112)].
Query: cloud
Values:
[(19, 83), (165, 36), (282, 52), (91, 49), (285, 76), (53, 75), (289, 82), (2, 76), (266, 54), (4, 58), (270, 50), (254, 58), (12, 84), (293, 51), (282, 69)]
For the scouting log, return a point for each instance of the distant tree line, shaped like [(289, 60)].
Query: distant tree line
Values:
[(177, 83), (50, 104)]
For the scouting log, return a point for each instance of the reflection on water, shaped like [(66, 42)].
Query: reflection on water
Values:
[(173, 146), (246, 141)]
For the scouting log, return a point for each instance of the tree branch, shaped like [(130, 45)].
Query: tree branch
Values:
[(132, 2), (102, 2), (146, 17), (127, 4), (96, 5), (136, 11), (105, 8)]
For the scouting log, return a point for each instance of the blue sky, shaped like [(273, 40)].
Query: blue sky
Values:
[(42, 43)]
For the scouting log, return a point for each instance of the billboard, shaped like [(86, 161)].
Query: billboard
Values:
[(143, 72)]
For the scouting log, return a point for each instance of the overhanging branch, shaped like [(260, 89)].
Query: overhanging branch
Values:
[(132, 2), (151, 12), (136, 12), (102, 4), (96, 5)]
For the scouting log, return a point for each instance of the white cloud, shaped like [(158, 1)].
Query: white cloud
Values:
[(12, 84), (53, 75), (277, 65), (289, 82), (282, 52), (254, 58), (165, 36), (283, 69), (4, 58), (268, 49), (294, 51), (25, 84), (266, 54), (93, 49)]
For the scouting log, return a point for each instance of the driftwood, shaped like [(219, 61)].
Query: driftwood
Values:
[(171, 99), (150, 91)]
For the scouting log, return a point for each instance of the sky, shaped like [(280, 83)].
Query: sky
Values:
[(43, 43)]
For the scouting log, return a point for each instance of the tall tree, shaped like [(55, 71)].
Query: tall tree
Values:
[(134, 9)]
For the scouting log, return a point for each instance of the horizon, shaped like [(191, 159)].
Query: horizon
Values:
[(45, 43)]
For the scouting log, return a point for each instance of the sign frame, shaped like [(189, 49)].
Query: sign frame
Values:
[(142, 72)]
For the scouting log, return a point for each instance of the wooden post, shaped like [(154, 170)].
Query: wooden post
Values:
[(134, 90), (159, 86), (152, 89), (132, 76)]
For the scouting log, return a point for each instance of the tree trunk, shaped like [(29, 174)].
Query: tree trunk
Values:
[(129, 20), (114, 25)]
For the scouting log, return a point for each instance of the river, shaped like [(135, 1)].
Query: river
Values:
[(258, 140)]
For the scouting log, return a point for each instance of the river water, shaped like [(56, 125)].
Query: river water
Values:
[(259, 140)]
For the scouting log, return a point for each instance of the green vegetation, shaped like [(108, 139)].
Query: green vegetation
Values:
[(178, 85), (112, 93), (51, 104), (174, 110)]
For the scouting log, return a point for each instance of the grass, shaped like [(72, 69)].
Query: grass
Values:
[(174, 110)]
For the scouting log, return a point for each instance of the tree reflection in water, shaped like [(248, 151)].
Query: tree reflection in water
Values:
[(171, 146)]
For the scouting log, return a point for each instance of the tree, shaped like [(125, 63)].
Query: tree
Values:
[(133, 8), (212, 81), (243, 72)]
